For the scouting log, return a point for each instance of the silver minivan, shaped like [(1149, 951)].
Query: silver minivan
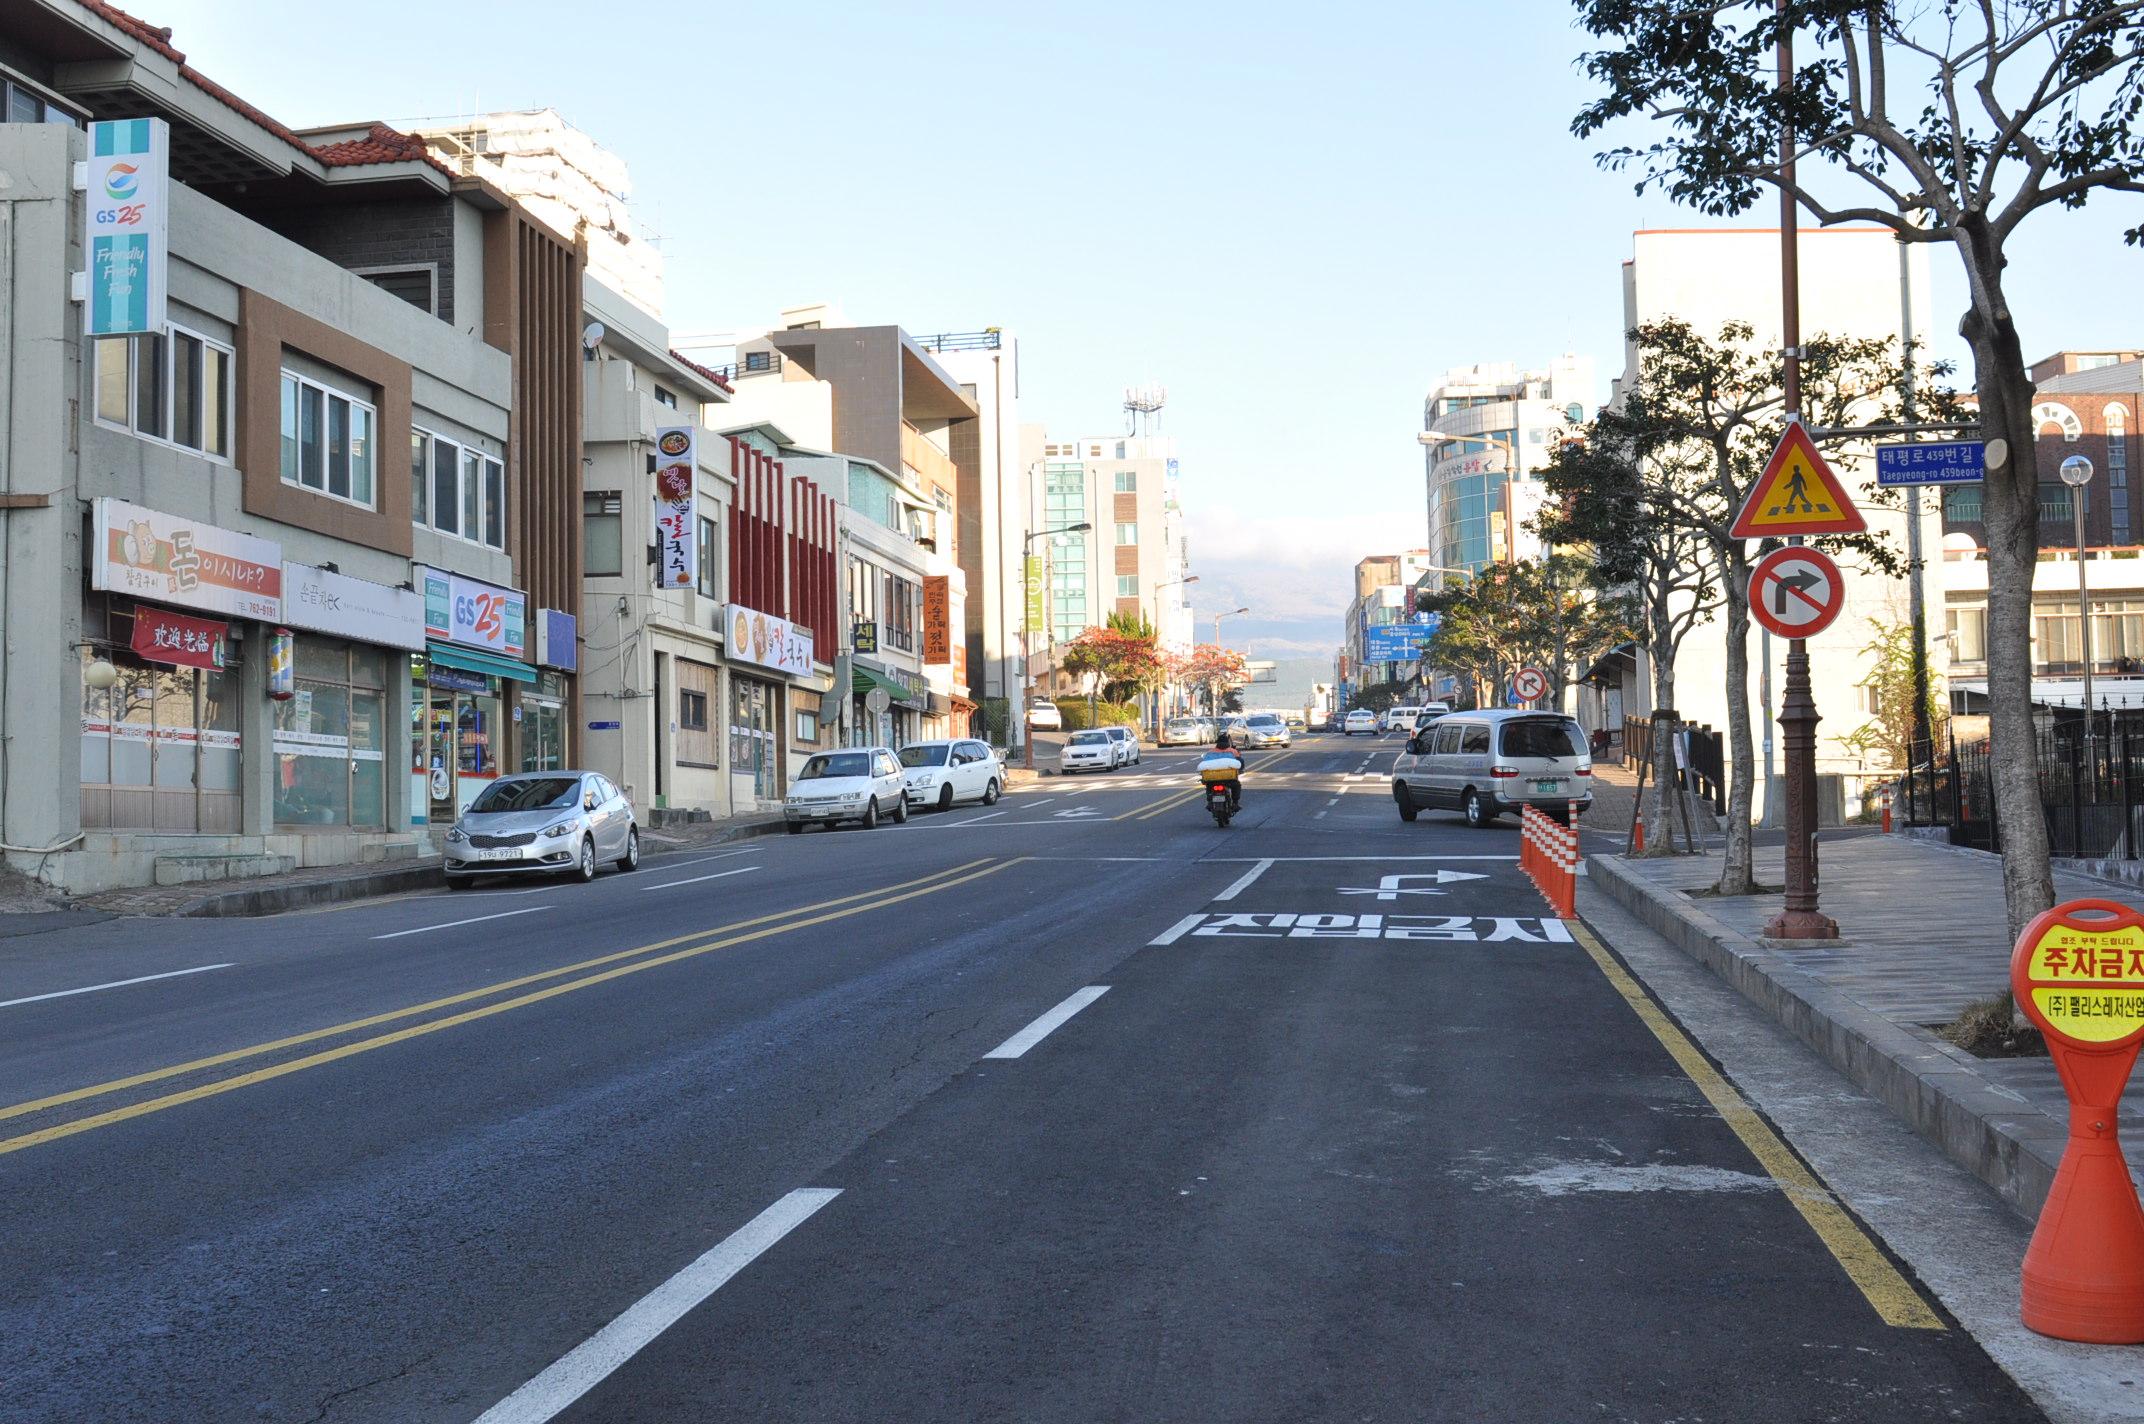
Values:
[(1485, 764)]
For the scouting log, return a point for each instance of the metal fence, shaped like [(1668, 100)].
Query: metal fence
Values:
[(2091, 789), (1704, 772)]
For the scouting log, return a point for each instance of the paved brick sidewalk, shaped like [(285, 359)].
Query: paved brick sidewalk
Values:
[(1922, 934)]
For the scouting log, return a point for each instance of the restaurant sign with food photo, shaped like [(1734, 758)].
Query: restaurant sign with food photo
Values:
[(676, 530), (769, 641)]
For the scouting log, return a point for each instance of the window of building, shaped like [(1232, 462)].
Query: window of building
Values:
[(900, 606), (759, 360), (178, 391), (691, 711), (1120, 449), (698, 693), (327, 440), (1127, 532), (602, 534), (467, 489), (2118, 472), (666, 397), (1961, 505), (20, 104), (2054, 501), (863, 591), (807, 726), (416, 285), (1127, 482), (1127, 585), (1968, 629), (331, 737), (709, 557)]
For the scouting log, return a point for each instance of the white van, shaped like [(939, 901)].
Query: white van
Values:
[(1410, 719), (1484, 764)]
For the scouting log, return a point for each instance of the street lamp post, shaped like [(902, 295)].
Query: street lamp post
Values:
[(1168, 583), (2077, 473), (1027, 633), (1213, 694)]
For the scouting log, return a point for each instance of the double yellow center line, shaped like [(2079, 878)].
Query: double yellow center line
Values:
[(608, 967)]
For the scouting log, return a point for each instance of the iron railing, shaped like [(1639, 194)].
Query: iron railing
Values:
[(2091, 789), (1705, 752), (987, 340)]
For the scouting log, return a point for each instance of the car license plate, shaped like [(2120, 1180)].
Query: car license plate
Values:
[(507, 854), (1550, 784)]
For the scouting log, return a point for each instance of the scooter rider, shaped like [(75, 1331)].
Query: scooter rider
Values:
[(1223, 750)]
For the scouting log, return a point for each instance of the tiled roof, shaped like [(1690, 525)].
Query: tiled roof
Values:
[(704, 372), (383, 145)]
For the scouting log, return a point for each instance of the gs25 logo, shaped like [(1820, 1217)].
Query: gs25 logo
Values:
[(125, 216), (482, 613)]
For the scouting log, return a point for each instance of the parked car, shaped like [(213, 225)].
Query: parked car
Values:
[(1484, 764), (1359, 720), (859, 784), (1127, 742), (1402, 719), (1186, 732), (941, 773), (1042, 714), (547, 821), (1264, 729), (1297, 724), (1092, 750)]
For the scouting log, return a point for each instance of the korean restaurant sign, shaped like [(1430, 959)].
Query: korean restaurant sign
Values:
[(762, 638), (164, 557), (165, 637), (676, 532), (474, 613), (128, 223), (937, 619), (327, 602)]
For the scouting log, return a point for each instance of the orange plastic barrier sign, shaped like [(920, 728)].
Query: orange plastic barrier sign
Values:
[(2078, 974)]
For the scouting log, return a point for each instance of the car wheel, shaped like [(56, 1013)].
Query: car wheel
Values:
[(990, 794), (1405, 800), (1478, 813), (585, 868), (796, 828), (631, 859), (900, 810), (945, 797), (870, 821), (460, 882)]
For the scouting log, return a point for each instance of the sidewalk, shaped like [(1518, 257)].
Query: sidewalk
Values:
[(329, 884), (1923, 934)]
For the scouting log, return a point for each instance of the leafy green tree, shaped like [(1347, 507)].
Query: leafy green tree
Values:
[(1948, 123), (1522, 614), (1889, 731)]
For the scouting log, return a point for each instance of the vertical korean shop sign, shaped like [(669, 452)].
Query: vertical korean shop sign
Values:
[(937, 619), (128, 228), (676, 464)]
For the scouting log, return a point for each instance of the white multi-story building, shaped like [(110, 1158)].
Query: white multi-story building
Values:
[(1852, 284), (1485, 430), (1132, 559)]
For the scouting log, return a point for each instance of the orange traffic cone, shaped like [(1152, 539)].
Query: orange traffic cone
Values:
[(1637, 832)]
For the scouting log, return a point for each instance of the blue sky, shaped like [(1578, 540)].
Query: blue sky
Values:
[(1294, 217)]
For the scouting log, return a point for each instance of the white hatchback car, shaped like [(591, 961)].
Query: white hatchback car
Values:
[(1127, 742), (1088, 751), (941, 773), (858, 784), (1359, 720), (1043, 716)]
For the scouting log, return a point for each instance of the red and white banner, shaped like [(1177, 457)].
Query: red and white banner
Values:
[(177, 560), (174, 638), (677, 467)]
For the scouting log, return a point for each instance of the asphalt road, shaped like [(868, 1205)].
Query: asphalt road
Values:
[(1076, 1108)]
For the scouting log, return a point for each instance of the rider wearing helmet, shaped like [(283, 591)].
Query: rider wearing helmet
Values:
[(1223, 753)]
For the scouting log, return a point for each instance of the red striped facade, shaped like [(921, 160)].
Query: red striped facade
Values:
[(784, 556)]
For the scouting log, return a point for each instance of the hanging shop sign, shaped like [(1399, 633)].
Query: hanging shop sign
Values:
[(676, 462), (558, 640), (166, 637), (282, 664), (769, 641), (171, 559), (863, 637), (937, 619), (474, 613), (328, 602), (127, 213)]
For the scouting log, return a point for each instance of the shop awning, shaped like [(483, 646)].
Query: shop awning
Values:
[(867, 679), (477, 660)]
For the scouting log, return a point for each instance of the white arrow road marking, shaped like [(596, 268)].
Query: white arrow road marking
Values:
[(1391, 887), (1076, 813)]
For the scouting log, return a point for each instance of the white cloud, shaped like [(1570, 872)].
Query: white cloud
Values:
[(1289, 564)]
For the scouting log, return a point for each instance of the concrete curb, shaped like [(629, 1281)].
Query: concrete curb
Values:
[(2007, 1142)]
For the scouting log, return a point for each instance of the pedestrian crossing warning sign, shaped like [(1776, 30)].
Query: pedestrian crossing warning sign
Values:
[(1797, 494)]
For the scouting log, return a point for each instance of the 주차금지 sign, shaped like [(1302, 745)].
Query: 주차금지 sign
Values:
[(474, 613), (769, 641), (676, 468), (128, 211), (161, 556)]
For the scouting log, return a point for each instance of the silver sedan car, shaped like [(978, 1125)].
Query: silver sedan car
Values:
[(543, 821)]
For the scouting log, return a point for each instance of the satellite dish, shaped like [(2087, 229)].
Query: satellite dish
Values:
[(592, 336)]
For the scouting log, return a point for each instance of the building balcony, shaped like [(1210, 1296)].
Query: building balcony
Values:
[(933, 466)]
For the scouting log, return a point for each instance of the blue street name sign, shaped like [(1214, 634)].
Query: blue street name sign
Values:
[(1932, 462)]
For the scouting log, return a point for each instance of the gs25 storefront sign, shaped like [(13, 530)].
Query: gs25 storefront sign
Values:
[(474, 613)]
